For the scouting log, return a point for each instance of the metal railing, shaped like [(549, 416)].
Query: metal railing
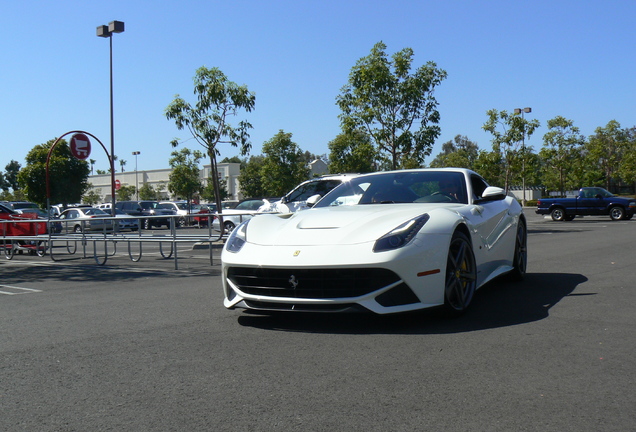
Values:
[(39, 236)]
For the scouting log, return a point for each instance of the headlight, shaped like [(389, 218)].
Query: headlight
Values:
[(401, 235), (237, 238)]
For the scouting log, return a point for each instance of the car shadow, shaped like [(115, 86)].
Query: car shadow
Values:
[(497, 304)]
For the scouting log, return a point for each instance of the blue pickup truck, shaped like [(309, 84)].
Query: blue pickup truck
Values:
[(591, 201)]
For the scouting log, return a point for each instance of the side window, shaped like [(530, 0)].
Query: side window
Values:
[(479, 185)]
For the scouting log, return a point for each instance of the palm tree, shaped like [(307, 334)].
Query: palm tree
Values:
[(92, 162), (122, 163)]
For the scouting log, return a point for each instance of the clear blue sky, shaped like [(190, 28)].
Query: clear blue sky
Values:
[(570, 58)]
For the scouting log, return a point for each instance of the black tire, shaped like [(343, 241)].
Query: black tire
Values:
[(617, 213), (229, 226), (461, 275), (77, 229), (558, 214), (146, 224), (520, 257), (181, 222)]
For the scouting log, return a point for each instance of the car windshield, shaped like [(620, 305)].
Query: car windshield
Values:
[(318, 187), (24, 205), (250, 205), (94, 212), (399, 187), (148, 205)]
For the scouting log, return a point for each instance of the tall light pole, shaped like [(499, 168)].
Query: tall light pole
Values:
[(523, 151), (107, 32), (135, 154)]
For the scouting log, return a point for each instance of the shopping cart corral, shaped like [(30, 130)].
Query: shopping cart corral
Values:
[(55, 239)]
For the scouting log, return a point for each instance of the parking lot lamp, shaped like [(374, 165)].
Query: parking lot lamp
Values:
[(107, 32), (135, 154), (523, 151)]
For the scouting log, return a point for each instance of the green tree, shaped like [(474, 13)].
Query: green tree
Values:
[(490, 165), (11, 174), (509, 141), (396, 108), (185, 180), (603, 153), (91, 197), (250, 180), (459, 153), (207, 193), (126, 192), (208, 120), (352, 152), (284, 166), (4, 184), (68, 176), (148, 192), (627, 169), (562, 146), (122, 164)]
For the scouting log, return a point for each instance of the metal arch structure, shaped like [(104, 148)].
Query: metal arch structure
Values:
[(110, 159)]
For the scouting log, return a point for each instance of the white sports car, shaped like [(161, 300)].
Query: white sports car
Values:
[(384, 242)]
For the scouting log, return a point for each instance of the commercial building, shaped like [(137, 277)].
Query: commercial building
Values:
[(159, 178)]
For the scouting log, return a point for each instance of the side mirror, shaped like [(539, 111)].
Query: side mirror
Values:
[(312, 200), (491, 193)]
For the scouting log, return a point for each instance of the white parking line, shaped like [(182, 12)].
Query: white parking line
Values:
[(18, 290)]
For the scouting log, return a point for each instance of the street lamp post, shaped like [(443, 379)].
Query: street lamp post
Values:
[(107, 32), (523, 151), (135, 154)]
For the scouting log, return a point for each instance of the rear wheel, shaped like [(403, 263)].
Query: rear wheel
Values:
[(617, 213), (461, 275), (558, 214), (77, 229), (520, 257), (229, 226)]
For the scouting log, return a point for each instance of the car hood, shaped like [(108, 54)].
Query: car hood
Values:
[(336, 225)]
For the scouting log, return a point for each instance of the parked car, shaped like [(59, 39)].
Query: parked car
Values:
[(104, 206), (183, 209), (385, 242), (146, 208), (81, 219), (123, 221), (20, 206), (589, 201), (244, 210), (56, 210), (297, 198)]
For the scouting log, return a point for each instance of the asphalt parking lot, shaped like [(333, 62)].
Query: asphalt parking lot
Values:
[(142, 346)]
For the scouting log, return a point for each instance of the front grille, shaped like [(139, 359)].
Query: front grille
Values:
[(310, 283)]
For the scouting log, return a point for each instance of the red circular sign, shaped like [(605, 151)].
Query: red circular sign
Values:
[(80, 146), (117, 184)]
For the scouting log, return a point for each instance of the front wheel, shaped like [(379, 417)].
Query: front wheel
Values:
[(558, 214), (229, 226), (617, 213), (461, 275)]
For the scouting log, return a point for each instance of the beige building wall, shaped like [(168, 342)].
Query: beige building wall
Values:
[(159, 179)]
